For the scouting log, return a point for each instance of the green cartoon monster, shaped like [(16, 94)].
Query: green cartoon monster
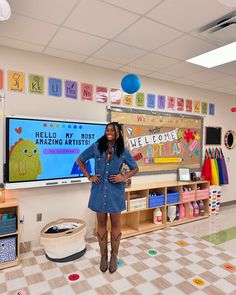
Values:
[(24, 161)]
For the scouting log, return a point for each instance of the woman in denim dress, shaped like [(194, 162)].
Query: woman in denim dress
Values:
[(108, 187)]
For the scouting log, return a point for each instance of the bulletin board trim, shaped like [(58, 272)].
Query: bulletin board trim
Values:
[(111, 109)]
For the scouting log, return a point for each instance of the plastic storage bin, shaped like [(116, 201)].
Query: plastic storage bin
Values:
[(7, 249), (139, 203), (155, 201), (8, 226), (202, 194), (67, 245), (172, 197)]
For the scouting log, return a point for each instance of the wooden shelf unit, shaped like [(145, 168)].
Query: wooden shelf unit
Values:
[(138, 221), (9, 206)]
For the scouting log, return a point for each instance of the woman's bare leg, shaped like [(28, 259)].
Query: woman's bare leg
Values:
[(115, 224), (101, 223)]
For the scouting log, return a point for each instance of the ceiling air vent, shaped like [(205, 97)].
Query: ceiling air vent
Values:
[(222, 29)]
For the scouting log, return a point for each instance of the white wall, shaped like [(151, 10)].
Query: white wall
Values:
[(71, 200)]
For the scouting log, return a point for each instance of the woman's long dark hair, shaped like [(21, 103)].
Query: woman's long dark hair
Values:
[(119, 143)]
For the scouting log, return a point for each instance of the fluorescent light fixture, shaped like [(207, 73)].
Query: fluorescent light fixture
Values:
[(216, 57), (5, 10)]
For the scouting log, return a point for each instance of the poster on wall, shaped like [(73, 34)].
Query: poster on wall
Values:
[(101, 94), (171, 103), (211, 109), (180, 104), (204, 108), (115, 96), (71, 89), (1, 79), (161, 104), (36, 84), (86, 91), (151, 99), (128, 100), (140, 99), (161, 143), (189, 105), (196, 106), (16, 81), (55, 87)]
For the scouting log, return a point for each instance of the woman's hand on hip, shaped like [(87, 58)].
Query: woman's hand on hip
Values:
[(95, 178), (117, 178)]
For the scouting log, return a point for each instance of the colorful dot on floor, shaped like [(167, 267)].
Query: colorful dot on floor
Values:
[(229, 267), (152, 252), (19, 292), (73, 277), (198, 282), (120, 263), (182, 243)]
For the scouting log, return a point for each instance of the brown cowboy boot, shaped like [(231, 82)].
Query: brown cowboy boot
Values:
[(103, 250), (115, 242)]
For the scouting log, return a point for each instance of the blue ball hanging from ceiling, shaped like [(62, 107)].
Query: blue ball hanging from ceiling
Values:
[(130, 83)]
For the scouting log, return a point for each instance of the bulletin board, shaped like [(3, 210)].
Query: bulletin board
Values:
[(161, 142)]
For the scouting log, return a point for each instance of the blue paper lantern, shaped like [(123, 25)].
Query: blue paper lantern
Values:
[(130, 83)]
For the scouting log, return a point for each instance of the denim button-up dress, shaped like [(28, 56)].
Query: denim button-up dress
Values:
[(107, 196)]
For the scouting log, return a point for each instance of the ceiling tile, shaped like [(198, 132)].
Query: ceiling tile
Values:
[(102, 63), (119, 53), (184, 81), (53, 11), (182, 69), (64, 54), (212, 88), (76, 42), (130, 69), (140, 7), (20, 45), (226, 82), (203, 85), (225, 90), (229, 68), (160, 76), (147, 34), (185, 47), (153, 61), (188, 15), (26, 29), (100, 19), (206, 76)]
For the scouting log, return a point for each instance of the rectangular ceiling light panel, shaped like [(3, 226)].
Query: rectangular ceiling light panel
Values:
[(216, 57)]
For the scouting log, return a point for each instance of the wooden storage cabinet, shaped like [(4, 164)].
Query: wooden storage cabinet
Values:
[(10, 238), (139, 219)]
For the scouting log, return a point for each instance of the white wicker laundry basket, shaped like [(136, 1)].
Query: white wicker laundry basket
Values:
[(64, 246)]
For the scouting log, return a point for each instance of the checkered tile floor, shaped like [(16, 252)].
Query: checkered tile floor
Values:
[(181, 264)]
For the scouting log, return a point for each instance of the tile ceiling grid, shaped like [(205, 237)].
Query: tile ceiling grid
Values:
[(152, 37)]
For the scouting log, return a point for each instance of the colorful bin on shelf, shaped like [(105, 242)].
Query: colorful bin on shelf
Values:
[(155, 201), (188, 196), (214, 200), (202, 194), (172, 197), (7, 249), (8, 226)]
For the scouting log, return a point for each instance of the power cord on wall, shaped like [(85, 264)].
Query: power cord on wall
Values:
[(21, 233)]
